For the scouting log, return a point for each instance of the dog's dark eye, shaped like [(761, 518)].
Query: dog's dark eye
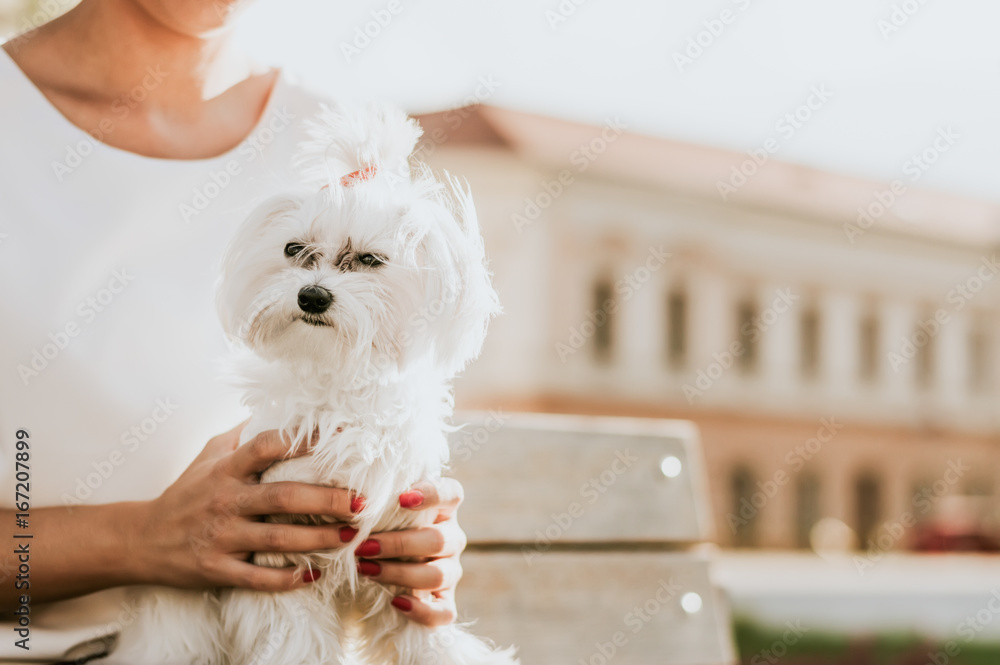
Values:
[(294, 248), (371, 260)]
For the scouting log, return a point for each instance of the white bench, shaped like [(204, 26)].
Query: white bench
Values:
[(583, 537)]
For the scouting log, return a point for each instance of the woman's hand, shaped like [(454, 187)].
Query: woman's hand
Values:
[(437, 546), (202, 530)]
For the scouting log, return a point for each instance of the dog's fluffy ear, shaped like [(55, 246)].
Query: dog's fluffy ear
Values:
[(238, 294), (460, 297), (347, 138)]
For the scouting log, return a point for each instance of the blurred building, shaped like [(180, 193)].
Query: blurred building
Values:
[(835, 339)]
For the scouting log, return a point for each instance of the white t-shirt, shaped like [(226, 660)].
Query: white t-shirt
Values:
[(109, 344)]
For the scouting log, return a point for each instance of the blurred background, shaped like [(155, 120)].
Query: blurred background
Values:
[(775, 219)]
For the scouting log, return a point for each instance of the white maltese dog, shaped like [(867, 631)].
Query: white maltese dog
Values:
[(356, 302)]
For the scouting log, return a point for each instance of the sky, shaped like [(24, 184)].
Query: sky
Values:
[(869, 84)]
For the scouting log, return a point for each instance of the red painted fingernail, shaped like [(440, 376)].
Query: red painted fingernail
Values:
[(401, 603), (411, 499), (369, 548), (370, 568), (347, 534), (311, 575), (357, 503)]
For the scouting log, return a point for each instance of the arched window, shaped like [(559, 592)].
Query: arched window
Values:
[(980, 358), (807, 508), (747, 334), (925, 344), (868, 348), (809, 347), (743, 514), (867, 507), (677, 327), (602, 299)]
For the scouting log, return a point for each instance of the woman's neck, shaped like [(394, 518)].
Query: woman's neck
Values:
[(106, 48), (189, 96)]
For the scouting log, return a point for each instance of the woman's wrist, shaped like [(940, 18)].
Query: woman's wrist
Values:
[(129, 552), (82, 549)]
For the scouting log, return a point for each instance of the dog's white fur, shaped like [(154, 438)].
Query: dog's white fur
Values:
[(371, 375)]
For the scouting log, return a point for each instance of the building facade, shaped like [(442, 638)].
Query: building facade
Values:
[(834, 339)]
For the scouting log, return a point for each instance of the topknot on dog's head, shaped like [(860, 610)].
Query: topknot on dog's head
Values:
[(364, 141)]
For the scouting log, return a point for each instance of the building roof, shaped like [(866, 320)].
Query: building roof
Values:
[(765, 183)]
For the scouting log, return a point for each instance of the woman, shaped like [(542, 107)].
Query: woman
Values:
[(136, 136)]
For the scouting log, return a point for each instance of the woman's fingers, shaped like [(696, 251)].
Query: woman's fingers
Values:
[(259, 578), (270, 537), (435, 575), (444, 496), (438, 610), (291, 498), (223, 444), (261, 452), (438, 540)]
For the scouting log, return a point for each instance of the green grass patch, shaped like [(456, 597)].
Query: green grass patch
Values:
[(769, 645)]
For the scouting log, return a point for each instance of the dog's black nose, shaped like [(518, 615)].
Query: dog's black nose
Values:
[(314, 299)]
